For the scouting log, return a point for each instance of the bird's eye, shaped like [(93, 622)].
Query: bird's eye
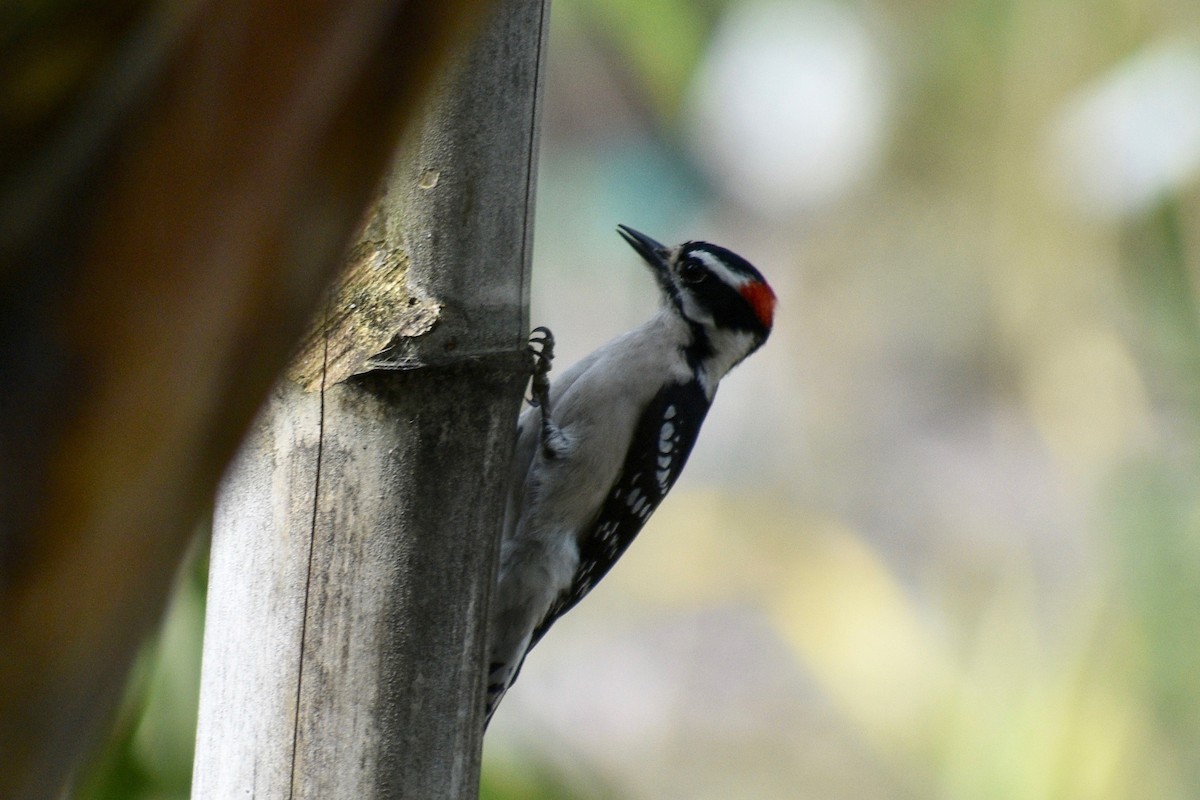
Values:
[(690, 271)]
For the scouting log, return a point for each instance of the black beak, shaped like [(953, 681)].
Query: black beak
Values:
[(655, 254)]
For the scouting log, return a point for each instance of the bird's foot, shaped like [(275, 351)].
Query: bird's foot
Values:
[(541, 345)]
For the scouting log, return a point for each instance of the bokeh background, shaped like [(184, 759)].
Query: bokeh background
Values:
[(941, 536)]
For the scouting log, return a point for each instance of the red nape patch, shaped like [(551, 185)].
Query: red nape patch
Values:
[(762, 300)]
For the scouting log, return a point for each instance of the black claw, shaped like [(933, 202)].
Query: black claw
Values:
[(541, 345)]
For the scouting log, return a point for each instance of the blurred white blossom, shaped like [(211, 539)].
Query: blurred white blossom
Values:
[(1132, 136), (788, 108)]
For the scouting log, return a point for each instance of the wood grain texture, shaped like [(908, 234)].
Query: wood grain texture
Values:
[(356, 534)]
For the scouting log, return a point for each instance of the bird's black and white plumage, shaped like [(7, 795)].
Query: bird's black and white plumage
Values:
[(612, 436)]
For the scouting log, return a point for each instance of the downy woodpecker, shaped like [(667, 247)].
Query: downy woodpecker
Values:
[(603, 445)]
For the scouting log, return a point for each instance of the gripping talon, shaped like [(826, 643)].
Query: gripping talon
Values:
[(541, 345)]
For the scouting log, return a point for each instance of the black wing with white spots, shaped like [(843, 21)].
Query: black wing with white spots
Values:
[(660, 447)]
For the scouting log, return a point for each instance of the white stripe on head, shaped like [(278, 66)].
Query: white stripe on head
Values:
[(720, 269), (694, 311)]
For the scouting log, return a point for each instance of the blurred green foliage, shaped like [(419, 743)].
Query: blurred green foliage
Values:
[(149, 752)]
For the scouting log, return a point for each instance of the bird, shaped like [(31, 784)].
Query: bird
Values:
[(601, 446)]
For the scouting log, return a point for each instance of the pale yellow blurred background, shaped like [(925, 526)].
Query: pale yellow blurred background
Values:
[(941, 536)]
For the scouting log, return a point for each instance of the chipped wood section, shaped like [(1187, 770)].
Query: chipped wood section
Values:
[(370, 306)]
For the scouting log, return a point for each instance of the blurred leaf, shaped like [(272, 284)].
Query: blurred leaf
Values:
[(853, 625), (662, 40), (149, 753)]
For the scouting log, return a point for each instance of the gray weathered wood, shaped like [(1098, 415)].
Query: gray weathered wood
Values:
[(355, 534)]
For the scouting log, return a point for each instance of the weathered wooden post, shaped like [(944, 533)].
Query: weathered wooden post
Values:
[(355, 534)]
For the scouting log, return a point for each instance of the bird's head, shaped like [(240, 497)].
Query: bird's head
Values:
[(720, 294)]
